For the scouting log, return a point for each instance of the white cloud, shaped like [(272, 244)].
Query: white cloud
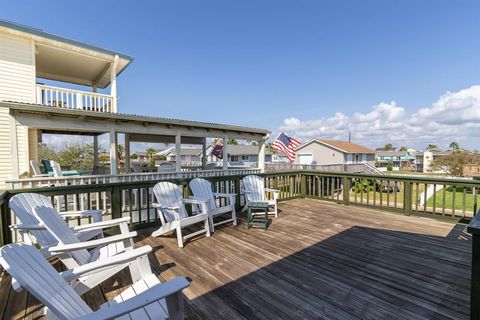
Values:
[(455, 116)]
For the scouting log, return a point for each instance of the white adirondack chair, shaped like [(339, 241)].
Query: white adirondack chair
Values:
[(22, 206), (202, 190), (173, 215), (145, 299), (254, 189), (37, 173), (73, 252), (57, 170)]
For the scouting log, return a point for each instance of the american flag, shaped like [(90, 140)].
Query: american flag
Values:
[(287, 145)]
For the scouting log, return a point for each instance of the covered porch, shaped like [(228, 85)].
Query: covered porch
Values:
[(32, 121)]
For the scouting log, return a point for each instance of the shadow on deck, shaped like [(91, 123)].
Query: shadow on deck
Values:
[(319, 260)]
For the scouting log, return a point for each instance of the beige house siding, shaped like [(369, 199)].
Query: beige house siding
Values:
[(17, 69), (322, 155), (5, 147), (22, 140)]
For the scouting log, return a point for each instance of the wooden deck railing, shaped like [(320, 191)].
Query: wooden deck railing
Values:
[(443, 198), (74, 99)]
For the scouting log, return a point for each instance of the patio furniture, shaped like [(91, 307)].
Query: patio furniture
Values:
[(254, 190), (47, 166), (73, 252), (173, 214), (37, 173), (202, 190), (22, 206), (257, 214), (147, 298)]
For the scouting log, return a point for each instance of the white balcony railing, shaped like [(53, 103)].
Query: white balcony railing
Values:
[(74, 99)]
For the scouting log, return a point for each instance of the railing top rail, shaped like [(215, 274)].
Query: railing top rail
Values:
[(73, 90)]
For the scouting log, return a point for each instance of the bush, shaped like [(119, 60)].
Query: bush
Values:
[(389, 167)]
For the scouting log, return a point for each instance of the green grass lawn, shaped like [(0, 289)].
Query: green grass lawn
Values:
[(459, 199)]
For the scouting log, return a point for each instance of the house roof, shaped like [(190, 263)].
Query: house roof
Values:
[(342, 146), (391, 153), (83, 114)]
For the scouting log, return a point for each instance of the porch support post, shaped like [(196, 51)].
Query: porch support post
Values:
[(204, 154), (178, 152), (225, 152), (14, 146), (261, 153), (127, 153), (113, 152), (113, 83), (95, 151)]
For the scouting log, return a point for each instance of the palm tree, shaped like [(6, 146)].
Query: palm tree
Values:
[(431, 147), (388, 146), (120, 150), (150, 153), (454, 146)]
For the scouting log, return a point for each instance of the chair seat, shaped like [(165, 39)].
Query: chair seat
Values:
[(107, 251), (221, 210), (156, 310)]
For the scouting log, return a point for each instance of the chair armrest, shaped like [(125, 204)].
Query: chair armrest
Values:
[(25, 227), (60, 248), (195, 200), (101, 225), (224, 195), (155, 293), (86, 269), (83, 213), (159, 206), (271, 190)]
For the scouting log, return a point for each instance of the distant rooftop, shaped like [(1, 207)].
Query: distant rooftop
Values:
[(343, 146)]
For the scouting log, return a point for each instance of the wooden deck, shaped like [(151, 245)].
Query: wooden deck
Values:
[(319, 260)]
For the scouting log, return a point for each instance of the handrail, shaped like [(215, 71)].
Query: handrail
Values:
[(73, 90)]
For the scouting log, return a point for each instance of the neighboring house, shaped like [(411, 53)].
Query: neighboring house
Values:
[(471, 170), (187, 154), (139, 157), (247, 155), (332, 152), (398, 159), (424, 159)]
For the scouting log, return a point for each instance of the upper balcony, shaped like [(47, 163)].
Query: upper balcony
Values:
[(31, 56)]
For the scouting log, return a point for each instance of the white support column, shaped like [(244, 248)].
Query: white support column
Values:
[(14, 147), (95, 151), (178, 152), (113, 83), (225, 153), (127, 153), (204, 154), (113, 152), (261, 154)]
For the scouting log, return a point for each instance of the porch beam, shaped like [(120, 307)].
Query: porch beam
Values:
[(204, 154), (113, 83), (178, 152), (95, 152), (127, 153), (113, 152), (225, 152)]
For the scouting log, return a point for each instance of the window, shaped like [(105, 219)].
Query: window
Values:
[(234, 158), (245, 158)]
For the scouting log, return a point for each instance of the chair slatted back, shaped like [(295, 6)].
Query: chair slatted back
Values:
[(60, 230), (35, 168), (202, 189), (169, 195), (22, 206), (255, 188), (57, 170), (34, 273)]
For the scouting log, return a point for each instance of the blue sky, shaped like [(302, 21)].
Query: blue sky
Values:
[(264, 63)]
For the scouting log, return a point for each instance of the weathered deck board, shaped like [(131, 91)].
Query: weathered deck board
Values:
[(318, 260)]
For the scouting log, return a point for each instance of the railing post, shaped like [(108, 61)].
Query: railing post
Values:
[(6, 236), (407, 198), (346, 190), (116, 204), (303, 185), (237, 191), (474, 229)]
